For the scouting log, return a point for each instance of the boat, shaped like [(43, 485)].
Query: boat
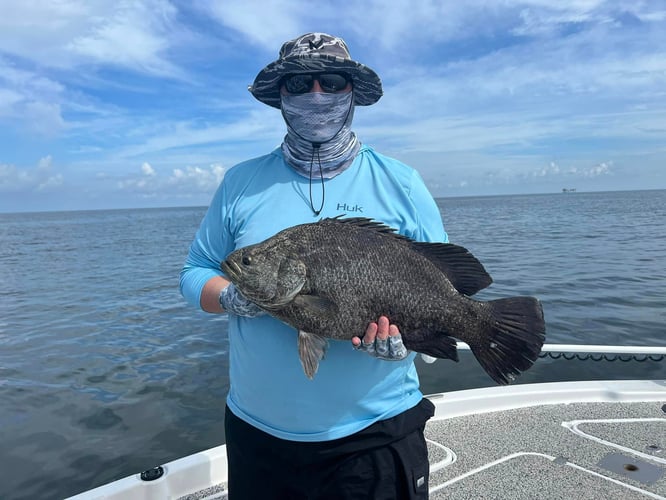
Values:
[(573, 440)]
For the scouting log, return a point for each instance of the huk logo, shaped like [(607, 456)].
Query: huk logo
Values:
[(315, 45), (349, 208)]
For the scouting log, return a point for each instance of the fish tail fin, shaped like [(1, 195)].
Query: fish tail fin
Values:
[(517, 333)]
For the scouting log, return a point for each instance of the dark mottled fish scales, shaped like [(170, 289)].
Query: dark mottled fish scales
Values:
[(333, 277)]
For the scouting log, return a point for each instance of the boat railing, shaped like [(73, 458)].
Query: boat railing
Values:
[(597, 352)]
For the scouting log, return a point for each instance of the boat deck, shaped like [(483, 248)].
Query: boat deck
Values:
[(573, 440), (568, 451)]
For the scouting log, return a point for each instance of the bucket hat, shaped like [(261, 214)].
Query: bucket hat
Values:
[(316, 53)]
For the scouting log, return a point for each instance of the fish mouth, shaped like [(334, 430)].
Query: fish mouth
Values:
[(231, 269)]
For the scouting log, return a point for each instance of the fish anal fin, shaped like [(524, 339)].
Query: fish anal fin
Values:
[(432, 343), (463, 270), (311, 350), (514, 338)]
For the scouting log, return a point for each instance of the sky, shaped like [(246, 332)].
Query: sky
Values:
[(144, 103)]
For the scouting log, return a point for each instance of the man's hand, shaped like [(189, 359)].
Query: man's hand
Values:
[(232, 301), (382, 340)]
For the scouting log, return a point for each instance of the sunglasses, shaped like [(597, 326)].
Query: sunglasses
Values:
[(329, 82)]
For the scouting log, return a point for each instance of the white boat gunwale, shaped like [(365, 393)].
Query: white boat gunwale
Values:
[(202, 470)]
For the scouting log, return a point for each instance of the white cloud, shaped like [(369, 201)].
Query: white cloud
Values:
[(602, 168), (147, 169), (584, 171), (266, 24), (253, 126), (68, 33), (412, 27), (43, 118), (197, 178), (134, 36), (25, 180), (551, 169), (181, 182), (30, 100), (497, 92)]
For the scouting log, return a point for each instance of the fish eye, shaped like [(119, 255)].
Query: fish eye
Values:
[(247, 260)]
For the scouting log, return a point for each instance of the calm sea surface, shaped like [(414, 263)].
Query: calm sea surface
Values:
[(105, 371)]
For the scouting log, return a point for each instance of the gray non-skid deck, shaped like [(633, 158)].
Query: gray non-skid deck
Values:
[(565, 451), (617, 452)]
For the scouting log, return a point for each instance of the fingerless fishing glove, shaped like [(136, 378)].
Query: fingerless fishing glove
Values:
[(232, 301), (390, 349)]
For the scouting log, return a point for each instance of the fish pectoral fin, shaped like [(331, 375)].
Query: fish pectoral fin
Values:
[(311, 349), (315, 304)]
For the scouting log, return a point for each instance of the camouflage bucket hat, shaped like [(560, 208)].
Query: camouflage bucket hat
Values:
[(316, 53)]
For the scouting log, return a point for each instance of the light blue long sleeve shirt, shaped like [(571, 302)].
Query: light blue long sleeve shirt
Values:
[(269, 390)]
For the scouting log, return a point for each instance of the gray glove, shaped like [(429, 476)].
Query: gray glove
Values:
[(390, 349), (232, 301)]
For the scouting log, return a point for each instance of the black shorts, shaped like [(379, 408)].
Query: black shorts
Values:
[(388, 460)]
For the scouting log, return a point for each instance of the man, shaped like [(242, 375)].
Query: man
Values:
[(356, 430)]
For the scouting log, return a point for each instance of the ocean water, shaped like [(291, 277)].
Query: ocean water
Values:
[(105, 371)]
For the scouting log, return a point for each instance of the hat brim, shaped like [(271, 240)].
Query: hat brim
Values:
[(266, 86)]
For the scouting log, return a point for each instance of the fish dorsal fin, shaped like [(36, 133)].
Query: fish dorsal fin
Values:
[(463, 270), (366, 223)]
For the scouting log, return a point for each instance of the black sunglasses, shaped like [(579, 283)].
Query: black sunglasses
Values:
[(302, 83)]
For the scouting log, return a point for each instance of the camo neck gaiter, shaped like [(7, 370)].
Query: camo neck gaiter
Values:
[(319, 119)]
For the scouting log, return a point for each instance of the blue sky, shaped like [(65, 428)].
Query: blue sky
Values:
[(144, 103)]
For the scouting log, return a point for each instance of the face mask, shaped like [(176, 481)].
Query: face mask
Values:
[(317, 117), (319, 139)]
